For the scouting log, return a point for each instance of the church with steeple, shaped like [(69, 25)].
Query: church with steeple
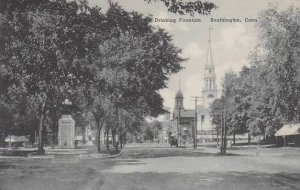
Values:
[(179, 100), (209, 91), (205, 127), (183, 119)]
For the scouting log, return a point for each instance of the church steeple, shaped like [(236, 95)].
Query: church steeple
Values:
[(209, 60), (209, 91), (179, 98)]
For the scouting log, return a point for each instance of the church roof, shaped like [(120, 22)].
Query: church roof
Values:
[(185, 113), (13, 138), (288, 129), (179, 94)]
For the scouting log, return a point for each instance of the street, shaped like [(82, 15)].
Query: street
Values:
[(164, 168)]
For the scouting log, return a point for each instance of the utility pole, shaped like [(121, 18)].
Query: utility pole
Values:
[(180, 106), (223, 121), (195, 133), (225, 129), (179, 126), (222, 130)]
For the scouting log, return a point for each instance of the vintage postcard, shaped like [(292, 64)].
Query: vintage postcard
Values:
[(149, 94)]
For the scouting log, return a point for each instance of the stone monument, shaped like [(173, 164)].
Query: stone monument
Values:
[(66, 132), (66, 127)]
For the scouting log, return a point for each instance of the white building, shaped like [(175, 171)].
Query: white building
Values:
[(205, 127)]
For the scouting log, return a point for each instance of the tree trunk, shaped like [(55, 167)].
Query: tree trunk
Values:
[(222, 134), (113, 136), (98, 136), (249, 138), (107, 140), (120, 141), (52, 133), (54, 126), (41, 123), (217, 137), (233, 137), (225, 139), (124, 139)]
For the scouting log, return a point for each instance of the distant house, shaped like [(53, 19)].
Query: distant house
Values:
[(289, 134), (16, 141)]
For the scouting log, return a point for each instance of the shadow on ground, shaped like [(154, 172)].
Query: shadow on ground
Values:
[(208, 181), (32, 175), (156, 153)]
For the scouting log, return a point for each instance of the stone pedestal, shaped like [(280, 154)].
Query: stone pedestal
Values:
[(66, 132)]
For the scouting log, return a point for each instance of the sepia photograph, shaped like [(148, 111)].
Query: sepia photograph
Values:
[(149, 94)]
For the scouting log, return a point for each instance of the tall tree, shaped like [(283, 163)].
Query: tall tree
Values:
[(133, 63), (266, 94), (45, 53), (57, 49)]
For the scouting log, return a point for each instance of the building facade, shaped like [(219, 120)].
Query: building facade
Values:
[(182, 121)]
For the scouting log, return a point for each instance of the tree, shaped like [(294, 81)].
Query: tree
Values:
[(129, 122), (282, 58), (274, 67), (150, 129), (217, 115), (132, 64), (190, 7), (266, 94), (44, 52), (57, 49)]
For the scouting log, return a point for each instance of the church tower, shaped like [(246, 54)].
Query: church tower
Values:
[(179, 100), (209, 91)]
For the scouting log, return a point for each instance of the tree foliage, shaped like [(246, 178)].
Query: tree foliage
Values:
[(109, 64), (188, 7), (266, 94)]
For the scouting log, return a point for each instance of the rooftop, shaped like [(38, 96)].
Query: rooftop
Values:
[(185, 113), (179, 94), (289, 129)]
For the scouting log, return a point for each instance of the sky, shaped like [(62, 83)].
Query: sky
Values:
[(231, 43)]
